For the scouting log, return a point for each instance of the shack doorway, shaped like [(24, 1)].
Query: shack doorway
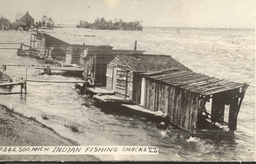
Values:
[(142, 95), (114, 81)]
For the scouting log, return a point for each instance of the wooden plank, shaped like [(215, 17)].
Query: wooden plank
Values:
[(166, 98), (62, 68), (159, 97), (163, 97), (152, 96), (167, 75), (230, 85), (185, 79), (57, 81), (179, 80), (210, 85), (147, 101), (233, 112), (171, 104), (178, 107), (154, 73), (175, 112), (141, 109), (171, 76), (227, 88), (98, 90), (187, 111), (200, 84), (156, 96), (191, 107), (11, 83), (195, 107), (182, 108)]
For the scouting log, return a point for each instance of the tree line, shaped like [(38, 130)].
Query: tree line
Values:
[(45, 23), (101, 23)]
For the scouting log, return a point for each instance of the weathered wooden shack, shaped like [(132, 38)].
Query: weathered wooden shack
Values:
[(95, 63), (4, 24), (76, 53), (123, 69), (45, 42), (183, 96)]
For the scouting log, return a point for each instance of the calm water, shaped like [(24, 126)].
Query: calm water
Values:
[(219, 53)]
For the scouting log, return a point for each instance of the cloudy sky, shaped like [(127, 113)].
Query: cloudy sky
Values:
[(151, 12)]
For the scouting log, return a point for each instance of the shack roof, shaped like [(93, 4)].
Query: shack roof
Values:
[(149, 62), (113, 52), (194, 82)]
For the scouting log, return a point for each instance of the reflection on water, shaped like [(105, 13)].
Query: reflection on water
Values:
[(223, 54)]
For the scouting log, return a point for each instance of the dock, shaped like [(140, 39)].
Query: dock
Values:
[(143, 110), (23, 85), (100, 91), (5, 84), (62, 69), (112, 99), (57, 81)]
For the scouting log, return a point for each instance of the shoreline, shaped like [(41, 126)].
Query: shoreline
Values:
[(19, 130)]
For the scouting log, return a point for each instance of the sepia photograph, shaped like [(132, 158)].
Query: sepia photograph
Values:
[(127, 80)]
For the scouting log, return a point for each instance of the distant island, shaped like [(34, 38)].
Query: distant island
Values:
[(102, 24)]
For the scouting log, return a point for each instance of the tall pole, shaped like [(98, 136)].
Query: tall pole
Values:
[(26, 80)]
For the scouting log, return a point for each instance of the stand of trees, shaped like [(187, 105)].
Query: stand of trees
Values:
[(45, 23), (101, 23)]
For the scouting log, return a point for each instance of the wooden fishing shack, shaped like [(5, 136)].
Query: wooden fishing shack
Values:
[(76, 53), (122, 70), (122, 74), (95, 63), (46, 41), (183, 96)]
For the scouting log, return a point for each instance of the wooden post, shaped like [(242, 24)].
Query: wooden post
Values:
[(126, 82), (31, 39), (135, 45), (25, 87), (233, 112), (218, 107)]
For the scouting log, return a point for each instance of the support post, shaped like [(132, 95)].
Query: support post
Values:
[(26, 80), (135, 45), (126, 84), (233, 112)]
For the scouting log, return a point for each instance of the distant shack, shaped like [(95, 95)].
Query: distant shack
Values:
[(4, 24), (24, 21), (76, 53), (95, 63)]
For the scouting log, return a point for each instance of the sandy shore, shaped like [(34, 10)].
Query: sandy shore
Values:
[(19, 130)]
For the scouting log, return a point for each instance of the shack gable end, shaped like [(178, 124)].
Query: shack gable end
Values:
[(119, 78), (185, 94)]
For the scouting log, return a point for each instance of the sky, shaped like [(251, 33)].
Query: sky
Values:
[(161, 13)]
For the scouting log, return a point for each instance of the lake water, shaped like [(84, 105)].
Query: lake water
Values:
[(227, 54)]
